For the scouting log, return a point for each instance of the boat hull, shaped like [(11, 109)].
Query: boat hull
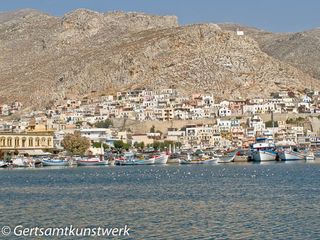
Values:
[(22, 163), (145, 162), (53, 163), (264, 156), (124, 162), (291, 156), (3, 164), (241, 158), (92, 163), (161, 159)]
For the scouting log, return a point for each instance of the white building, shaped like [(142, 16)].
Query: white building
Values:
[(224, 111)]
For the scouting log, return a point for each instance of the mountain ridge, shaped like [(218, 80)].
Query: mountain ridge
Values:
[(46, 58)]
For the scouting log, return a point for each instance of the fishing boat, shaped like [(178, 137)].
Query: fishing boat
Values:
[(196, 159), (290, 154), (310, 156), (241, 156), (226, 159), (145, 161), (288, 151), (55, 162), (92, 162), (3, 164), (127, 159), (174, 158), (263, 150), (160, 158), (22, 162)]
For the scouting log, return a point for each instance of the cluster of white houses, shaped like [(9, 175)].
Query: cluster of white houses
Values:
[(8, 109), (167, 104), (234, 122)]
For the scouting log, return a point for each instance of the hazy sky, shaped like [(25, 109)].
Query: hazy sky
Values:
[(272, 15)]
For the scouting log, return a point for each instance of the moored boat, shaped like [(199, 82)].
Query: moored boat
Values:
[(22, 162), (310, 156), (291, 155), (145, 161), (92, 162), (127, 159), (263, 150), (3, 164), (174, 158), (160, 159), (226, 159), (54, 162), (241, 156), (196, 159), (288, 151)]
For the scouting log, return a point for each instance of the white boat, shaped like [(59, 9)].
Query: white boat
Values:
[(291, 155), (197, 159), (288, 151), (22, 162), (55, 162), (3, 164), (226, 159), (127, 159), (241, 156), (149, 161), (263, 150), (173, 161), (92, 162), (160, 159), (310, 156)]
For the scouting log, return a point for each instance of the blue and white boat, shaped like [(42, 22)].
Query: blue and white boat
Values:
[(290, 154), (127, 159), (145, 161), (263, 150), (54, 162), (94, 161)]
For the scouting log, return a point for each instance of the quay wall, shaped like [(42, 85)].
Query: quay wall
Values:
[(143, 127)]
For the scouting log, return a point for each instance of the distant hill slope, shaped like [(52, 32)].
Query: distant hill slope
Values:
[(45, 57), (301, 49)]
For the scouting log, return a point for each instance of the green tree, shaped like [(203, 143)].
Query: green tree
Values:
[(142, 145), (269, 124), (119, 144), (152, 129), (75, 143), (98, 145), (139, 145), (103, 124)]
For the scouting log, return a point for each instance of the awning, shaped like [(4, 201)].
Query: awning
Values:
[(36, 152)]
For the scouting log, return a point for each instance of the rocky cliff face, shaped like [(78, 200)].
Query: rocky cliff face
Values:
[(45, 57), (301, 49)]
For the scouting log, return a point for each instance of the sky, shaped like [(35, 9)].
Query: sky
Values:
[(270, 15)]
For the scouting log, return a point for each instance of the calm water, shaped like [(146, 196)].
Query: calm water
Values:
[(243, 201)]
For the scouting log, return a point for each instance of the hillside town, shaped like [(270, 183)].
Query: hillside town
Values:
[(209, 123)]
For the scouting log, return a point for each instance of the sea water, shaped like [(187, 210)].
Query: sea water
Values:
[(226, 201)]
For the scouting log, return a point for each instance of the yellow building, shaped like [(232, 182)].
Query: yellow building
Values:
[(35, 137)]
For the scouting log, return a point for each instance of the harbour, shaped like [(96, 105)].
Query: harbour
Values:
[(228, 201)]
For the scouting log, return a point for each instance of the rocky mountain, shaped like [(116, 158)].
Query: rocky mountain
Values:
[(45, 57), (301, 49)]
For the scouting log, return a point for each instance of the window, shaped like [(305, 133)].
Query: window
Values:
[(30, 142), (37, 142), (16, 142), (2, 142), (9, 142), (24, 142)]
